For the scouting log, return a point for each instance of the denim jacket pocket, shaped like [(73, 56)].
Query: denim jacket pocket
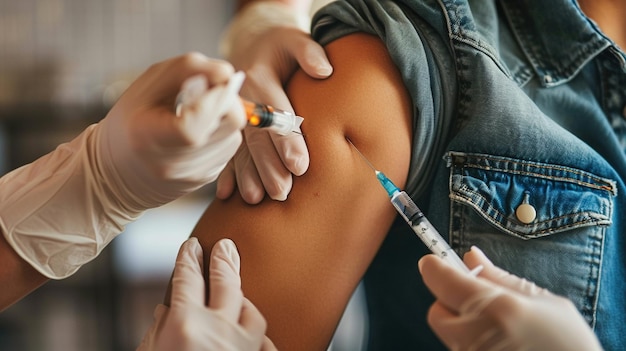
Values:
[(541, 221), (530, 199)]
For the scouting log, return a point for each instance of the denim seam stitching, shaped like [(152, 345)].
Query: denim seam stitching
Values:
[(599, 273), (533, 52), (482, 210), (541, 166), (607, 184), (543, 176), (601, 219), (486, 50)]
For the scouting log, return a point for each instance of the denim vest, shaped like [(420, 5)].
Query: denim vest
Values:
[(516, 104)]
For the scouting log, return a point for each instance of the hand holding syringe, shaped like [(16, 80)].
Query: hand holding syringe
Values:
[(418, 222), (258, 115)]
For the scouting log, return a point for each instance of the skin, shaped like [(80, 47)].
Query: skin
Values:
[(23, 277), (609, 15), (302, 258)]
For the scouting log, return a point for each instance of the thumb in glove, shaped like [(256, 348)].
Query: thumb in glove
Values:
[(499, 311)]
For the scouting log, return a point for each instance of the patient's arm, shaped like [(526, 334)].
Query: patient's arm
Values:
[(301, 259)]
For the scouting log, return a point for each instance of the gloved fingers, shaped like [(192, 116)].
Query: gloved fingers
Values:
[(291, 149), (231, 91), (264, 84), (160, 84), (216, 71), (191, 90), (209, 161), (268, 345), (233, 121), (248, 179), (444, 324), (475, 256), (260, 169), (212, 115), (241, 172), (224, 281), (149, 340), (471, 332), (310, 55), (185, 78), (226, 181), (198, 113), (251, 320), (457, 291), (165, 79), (501, 277), (188, 280), (276, 178), (293, 152), (199, 119), (457, 332)]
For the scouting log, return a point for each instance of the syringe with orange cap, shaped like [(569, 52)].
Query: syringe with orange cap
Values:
[(266, 116), (258, 115)]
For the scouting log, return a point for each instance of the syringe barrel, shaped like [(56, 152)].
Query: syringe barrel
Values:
[(258, 115), (425, 230), (266, 116)]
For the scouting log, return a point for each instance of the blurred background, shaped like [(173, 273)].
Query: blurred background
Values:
[(63, 63)]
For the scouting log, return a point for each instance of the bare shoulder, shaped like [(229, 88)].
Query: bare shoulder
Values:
[(302, 258)]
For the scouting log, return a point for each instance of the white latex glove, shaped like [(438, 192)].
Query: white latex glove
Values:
[(157, 156), (60, 211), (499, 311), (229, 323), (269, 40)]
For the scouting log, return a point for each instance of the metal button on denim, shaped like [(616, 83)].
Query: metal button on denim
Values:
[(526, 213), (547, 78)]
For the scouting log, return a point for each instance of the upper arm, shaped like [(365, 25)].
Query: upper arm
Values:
[(302, 258)]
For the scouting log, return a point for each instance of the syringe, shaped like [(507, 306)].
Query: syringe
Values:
[(266, 116), (416, 220), (258, 115)]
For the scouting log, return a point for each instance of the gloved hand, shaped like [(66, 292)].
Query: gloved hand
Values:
[(229, 322), (155, 155), (499, 311), (268, 40), (60, 211)]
